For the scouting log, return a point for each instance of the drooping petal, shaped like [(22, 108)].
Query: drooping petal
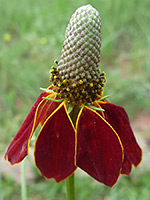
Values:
[(18, 148), (55, 146), (126, 166), (99, 150), (117, 117)]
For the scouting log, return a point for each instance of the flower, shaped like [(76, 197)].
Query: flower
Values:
[(7, 37), (80, 128), (43, 40)]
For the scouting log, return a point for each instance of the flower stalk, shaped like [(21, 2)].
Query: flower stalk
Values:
[(70, 189), (70, 186), (23, 181)]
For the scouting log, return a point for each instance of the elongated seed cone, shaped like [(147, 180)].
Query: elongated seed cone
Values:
[(77, 77), (80, 55)]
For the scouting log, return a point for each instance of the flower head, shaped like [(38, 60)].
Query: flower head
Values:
[(43, 40), (7, 37), (80, 128), (78, 76)]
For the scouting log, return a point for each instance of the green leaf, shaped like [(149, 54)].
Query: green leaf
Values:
[(70, 108), (47, 90), (95, 108), (103, 98), (54, 100)]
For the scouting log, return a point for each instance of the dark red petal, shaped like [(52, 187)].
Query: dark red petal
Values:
[(18, 148), (117, 117), (126, 166), (55, 146), (99, 150)]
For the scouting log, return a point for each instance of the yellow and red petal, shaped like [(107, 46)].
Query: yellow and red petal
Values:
[(99, 149), (117, 117), (55, 146), (18, 148)]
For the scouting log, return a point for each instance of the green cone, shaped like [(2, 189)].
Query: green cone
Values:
[(80, 55), (77, 77)]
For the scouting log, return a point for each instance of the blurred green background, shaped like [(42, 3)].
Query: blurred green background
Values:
[(31, 37)]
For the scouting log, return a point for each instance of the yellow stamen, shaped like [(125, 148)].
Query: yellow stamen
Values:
[(80, 81), (51, 70), (55, 61), (74, 85)]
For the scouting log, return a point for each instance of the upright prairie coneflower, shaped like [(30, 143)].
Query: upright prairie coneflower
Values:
[(79, 127)]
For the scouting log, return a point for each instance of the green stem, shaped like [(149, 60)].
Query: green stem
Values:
[(70, 188), (23, 181)]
